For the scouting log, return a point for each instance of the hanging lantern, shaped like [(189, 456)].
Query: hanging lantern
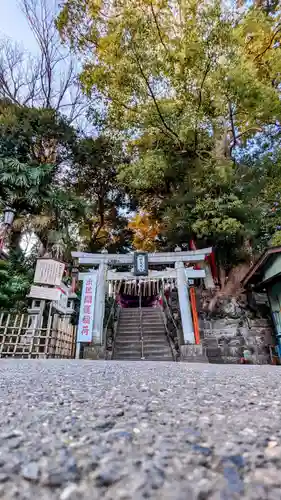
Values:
[(9, 215)]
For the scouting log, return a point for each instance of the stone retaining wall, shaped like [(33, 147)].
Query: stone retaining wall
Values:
[(94, 352), (226, 339)]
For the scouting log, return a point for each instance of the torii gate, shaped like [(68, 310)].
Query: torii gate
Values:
[(179, 272)]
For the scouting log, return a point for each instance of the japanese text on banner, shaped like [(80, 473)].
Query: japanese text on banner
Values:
[(87, 307)]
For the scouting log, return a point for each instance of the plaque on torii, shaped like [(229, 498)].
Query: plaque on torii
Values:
[(140, 264)]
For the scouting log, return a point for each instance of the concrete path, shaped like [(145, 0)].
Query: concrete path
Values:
[(73, 430)]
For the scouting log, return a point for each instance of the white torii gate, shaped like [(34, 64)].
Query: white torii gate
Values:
[(180, 272)]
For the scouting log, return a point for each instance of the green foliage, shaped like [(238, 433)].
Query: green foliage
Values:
[(23, 186), (15, 280), (34, 136), (93, 177), (185, 97)]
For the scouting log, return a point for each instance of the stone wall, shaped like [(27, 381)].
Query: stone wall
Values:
[(226, 339), (191, 353), (94, 352)]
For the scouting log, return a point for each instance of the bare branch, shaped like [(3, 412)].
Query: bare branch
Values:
[(17, 72), (51, 79)]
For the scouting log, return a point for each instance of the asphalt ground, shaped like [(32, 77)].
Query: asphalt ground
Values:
[(74, 430)]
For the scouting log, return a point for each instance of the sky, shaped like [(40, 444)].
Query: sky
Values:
[(14, 25)]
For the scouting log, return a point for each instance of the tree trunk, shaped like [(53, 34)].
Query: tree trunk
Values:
[(230, 285)]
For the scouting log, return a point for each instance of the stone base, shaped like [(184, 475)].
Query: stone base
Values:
[(191, 353), (94, 352)]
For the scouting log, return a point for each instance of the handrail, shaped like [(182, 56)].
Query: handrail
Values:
[(111, 314), (166, 327), (169, 312), (169, 340), (115, 332)]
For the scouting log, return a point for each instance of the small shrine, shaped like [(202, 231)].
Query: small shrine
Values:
[(138, 286)]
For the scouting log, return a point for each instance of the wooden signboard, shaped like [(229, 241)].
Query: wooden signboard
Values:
[(61, 304), (44, 293), (48, 272)]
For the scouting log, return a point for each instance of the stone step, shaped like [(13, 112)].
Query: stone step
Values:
[(145, 328), (131, 333), (128, 348), (153, 324), (123, 339), (163, 342), (150, 356), (137, 345), (145, 333), (158, 358), (195, 359), (146, 320), (133, 326), (121, 357), (127, 343), (155, 340), (127, 338), (135, 317), (155, 333), (135, 310), (148, 341), (130, 339), (133, 357), (136, 333), (127, 354), (157, 350), (138, 315), (128, 322)]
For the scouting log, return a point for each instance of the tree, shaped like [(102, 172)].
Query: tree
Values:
[(36, 136), (93, 177), (145, 231), (179, 67), (47, 80), (34, 151), (189, 83)]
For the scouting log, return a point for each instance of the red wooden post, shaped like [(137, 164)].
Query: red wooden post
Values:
[(194, 315)]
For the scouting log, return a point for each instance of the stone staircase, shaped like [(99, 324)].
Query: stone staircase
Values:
[(127, 342)]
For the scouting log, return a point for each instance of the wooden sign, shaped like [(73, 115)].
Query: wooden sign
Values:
[(44, 293), (48, 272), (61, 304)]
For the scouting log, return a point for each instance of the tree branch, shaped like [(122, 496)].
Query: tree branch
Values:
[(166, 126), (268, 47), (208, 67), (237, 137), (158, 29), (232, 124)]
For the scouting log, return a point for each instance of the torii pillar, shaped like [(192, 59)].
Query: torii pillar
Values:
[(184, 302)]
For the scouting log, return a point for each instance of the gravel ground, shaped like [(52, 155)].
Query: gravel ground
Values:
[(75, 430)]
